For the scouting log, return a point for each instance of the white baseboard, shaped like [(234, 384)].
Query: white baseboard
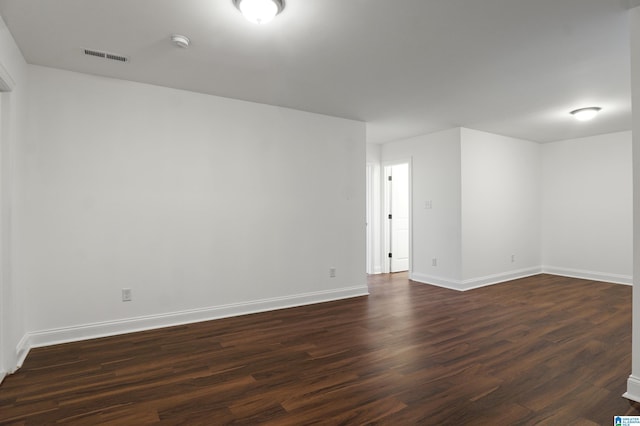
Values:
[(470, 284), (437, 281), (130, 325), (588, 275), (22, 350), (377, 269), (633, 389)]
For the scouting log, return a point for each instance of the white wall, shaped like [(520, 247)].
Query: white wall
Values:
[(435, 177), (203, 206), (373, 153), (633, 384), (500, 208), (587, 207), (374, 210), (484, 193), (516, 208), (12, 116)]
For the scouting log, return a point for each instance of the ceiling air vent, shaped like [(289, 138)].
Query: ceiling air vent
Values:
[(105, 55)]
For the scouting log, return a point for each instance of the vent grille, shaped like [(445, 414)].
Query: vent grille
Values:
[(105, 55)]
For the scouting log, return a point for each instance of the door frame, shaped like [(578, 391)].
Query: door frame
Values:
[(384, 225), (369, 219), (3, 320), (7, 84)]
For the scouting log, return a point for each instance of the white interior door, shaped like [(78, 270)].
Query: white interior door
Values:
[(398, 216)]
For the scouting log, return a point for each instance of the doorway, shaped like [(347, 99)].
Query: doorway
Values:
[(397, 217)]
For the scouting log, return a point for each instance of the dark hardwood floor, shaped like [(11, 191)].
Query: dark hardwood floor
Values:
[(541, 350)]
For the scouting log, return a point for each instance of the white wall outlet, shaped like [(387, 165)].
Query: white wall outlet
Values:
[(332, 272), (434, 261), (428, 205), (513, 258), (126, 295)]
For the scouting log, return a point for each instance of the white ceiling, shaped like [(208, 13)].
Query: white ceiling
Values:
[(406, 67)]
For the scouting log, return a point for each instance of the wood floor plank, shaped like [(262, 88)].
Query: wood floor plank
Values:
[(540, 350)]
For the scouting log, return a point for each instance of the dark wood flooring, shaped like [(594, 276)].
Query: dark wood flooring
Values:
[(541, 350)]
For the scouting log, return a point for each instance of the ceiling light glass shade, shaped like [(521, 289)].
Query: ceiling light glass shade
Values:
[(259, 11), (585, 114)]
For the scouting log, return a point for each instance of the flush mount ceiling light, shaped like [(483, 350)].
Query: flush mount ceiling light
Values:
[(585, 114), (180, 40), (259, 11)]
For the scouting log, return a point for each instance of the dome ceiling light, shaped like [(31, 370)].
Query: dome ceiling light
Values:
[(180, 41), (585, 114), (259, 11)]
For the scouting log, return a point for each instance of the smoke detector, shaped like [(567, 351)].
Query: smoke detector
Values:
[(180, 41)]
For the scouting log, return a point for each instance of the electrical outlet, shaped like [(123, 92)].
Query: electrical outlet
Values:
[(434, 261), (513, 258), (126, 295), (332, 272)]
